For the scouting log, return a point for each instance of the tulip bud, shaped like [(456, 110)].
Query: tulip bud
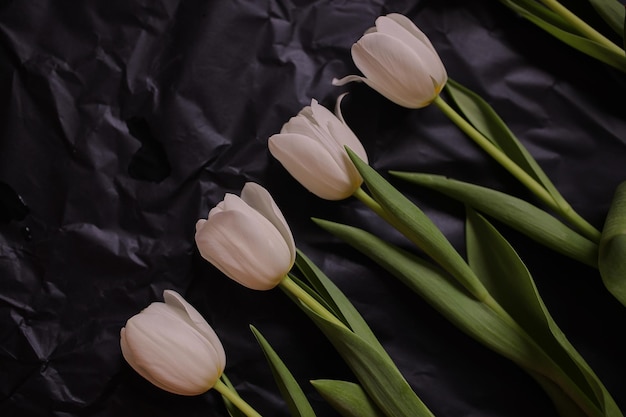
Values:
[(311, 147), (248, 239), (399, 62), (173, 347)]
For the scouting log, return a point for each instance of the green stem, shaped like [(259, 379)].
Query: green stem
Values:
[(372, 204), (582, 26), (290, 285), (234, 398), (559, 205)]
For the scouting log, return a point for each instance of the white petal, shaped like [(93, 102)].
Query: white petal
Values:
[(401, 28), (172, 298), (200, 223), (233, 202), (394, 70), (172, 356), (219, 207), (299, 124), (407, 24), (322, 115), (261, 200), (338, 112), (310, 163), (246, 247), (347, 79)]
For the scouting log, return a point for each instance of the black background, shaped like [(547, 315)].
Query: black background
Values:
[(123, 122)]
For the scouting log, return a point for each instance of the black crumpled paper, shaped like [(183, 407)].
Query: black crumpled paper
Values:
[(122, 123)]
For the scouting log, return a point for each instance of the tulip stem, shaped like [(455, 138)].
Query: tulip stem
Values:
[(582, 26), (372, 204), (235, 399), (559, 204), (305, 298)]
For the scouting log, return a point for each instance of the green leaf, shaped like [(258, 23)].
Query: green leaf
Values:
[(333, 296), (537, 9), (384, 383), (613, 13), (231, 408), (444, 294), (452, 301), (292, 393), (407, 218), (514, 212), (348, 398), (511, 285), (612, 259), (528, 9), (484, 118)]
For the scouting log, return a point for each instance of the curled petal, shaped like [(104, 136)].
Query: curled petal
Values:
[(347, 79)]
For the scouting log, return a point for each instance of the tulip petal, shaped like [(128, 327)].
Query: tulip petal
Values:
[(338, 112), (261, 200), (312, 121), (300, 124), (172, 356), (347, 79), (394, 70), (246, 247), (172, 298), (310, 163), (200, 223), (406, 23), (401, 28), (233, 202)]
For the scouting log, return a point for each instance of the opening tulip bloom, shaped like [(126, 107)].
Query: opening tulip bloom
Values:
[(398, 61), (311, 147), (248, 239), (172, 346)]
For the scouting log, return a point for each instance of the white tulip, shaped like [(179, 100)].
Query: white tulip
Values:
[(172, 346), (311, 147), (398, 61), (248, 239)]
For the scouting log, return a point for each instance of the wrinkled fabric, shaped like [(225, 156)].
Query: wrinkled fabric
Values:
[(123, 123)]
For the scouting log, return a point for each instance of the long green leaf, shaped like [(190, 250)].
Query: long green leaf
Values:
[(537, 9), (452, 301), (514, 212), (333, 296), (612, 258), (348, 398), (293, 395), (444, 294), (484, 118), (417, 227), (584, 45), (613, 13), (510, 283), (383, 383)]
